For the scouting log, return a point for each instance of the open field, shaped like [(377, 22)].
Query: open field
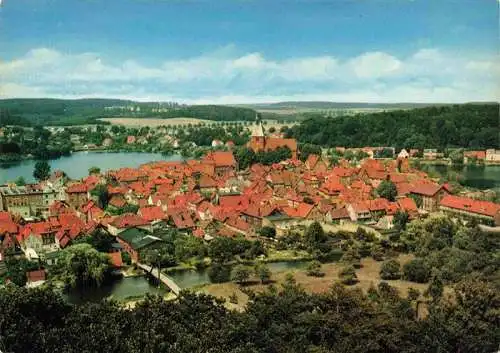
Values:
[(152, 122), (367, 275)]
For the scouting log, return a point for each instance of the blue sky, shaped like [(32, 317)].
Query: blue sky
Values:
[(251, 51)]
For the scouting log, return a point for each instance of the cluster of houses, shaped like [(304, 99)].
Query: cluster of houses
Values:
[(210, 198)]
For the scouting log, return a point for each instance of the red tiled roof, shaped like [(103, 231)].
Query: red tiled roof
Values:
[(116, 259), (485, 208), (198, 233), (207, 181), (221, 158), (426, 189), (128, 220), (151, 213), (301, 211), (407, 204), (379, 204), (339, 213), (477, 154), (117, 201), (238, 223), (183, 220), (237, 202), (76, 188), (35, 276), (392, 208)]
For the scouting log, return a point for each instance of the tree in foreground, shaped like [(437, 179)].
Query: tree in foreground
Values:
[(41, 171)]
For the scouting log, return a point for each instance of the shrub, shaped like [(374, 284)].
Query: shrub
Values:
[(390, 270), (268, 232), (219, 273), (416, 271), (348, 275), (241, 274), (314, 269)]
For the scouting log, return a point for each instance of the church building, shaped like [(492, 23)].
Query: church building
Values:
[(260, 142)]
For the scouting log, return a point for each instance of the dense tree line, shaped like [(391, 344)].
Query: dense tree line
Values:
[(278, 320), (467, 125), (212, 112), (246, 156)]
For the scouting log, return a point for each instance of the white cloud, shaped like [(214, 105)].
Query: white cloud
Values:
[(375, 65), (428, 75)]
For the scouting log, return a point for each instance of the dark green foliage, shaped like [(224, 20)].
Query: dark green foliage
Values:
[(268, 232), (246, 157), (468, 125), (306, 149), (41, 171), (277, 320), (219, 273), (416, 271), (390, 270), (387, 189), (100, 192), (241, 273), (212, 112), (436, 287), (401, 218), (17, 268), (314, 236), (263, 272)]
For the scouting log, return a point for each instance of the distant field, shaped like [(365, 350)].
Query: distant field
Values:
[(138, 122)]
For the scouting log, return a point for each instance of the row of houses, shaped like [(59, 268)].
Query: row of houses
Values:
[(210, 197)]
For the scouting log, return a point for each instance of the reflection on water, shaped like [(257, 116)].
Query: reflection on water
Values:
[(476, 176), (77, 165), (119, 289), (127, 287)]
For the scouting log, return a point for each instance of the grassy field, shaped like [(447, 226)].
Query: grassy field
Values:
[(139, 122), (367, 275)]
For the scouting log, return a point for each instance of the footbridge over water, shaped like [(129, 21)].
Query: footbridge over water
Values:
[(169, 282)]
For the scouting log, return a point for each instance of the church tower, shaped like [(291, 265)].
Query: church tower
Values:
[(258, 139)]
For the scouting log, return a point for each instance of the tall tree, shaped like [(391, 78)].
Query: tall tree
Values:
[(41, 171), (387, 189)]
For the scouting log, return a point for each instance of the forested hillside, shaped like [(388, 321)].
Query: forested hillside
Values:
[(467, 125), (26, 112)]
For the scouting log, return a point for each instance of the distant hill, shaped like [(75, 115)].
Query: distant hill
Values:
[(46, 111), (340, 105)]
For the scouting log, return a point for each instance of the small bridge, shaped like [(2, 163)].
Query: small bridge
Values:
[(169, 282)]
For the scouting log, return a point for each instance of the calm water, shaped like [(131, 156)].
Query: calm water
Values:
[(120, 289), (189, 279), (128, 287), (77, 165), (480, 177)]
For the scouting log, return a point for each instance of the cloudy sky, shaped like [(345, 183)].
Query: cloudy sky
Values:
[(244, 51)]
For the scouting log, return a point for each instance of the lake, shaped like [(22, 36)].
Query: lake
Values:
[(77, 165), (128, 287), (480, 177)]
